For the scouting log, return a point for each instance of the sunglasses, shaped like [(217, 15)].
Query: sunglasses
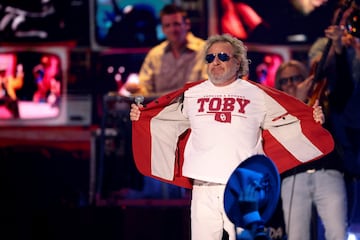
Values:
[(221, 56), (292, 79)]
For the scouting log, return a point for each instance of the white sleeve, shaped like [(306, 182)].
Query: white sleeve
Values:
[(286, 129)]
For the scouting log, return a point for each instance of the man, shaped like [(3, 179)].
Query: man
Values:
[(167, 67), (195, 137), (8, 87), (319, 183), (174, 62)]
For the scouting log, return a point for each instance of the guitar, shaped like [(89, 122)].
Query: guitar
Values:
[(319, 83)]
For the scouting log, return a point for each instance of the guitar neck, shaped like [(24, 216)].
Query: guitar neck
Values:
[(321, 64)]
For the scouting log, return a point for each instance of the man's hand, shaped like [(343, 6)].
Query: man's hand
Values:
[(335, 33), (318, 113), (249, 203), (248, 199), (135, 112)]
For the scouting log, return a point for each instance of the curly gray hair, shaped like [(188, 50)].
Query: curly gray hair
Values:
[(240, 50)]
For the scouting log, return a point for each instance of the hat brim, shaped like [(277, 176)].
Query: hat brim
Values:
[(262, 168)]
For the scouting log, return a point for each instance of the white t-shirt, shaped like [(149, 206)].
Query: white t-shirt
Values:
[(225, 128)]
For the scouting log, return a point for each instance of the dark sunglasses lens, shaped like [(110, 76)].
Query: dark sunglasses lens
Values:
[(282, 81), (223, 57), (210, 58), (292, 79)]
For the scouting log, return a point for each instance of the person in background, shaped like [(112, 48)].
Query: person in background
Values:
[(48, 86), (9, 84), (346, 115), (230, 119), (319, 183), (341, 75), (175, 61), (167, 67), (342, 71)]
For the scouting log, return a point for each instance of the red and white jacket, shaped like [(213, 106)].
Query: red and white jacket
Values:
[(158, 148)]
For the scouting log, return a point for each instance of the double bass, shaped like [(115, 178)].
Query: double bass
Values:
[(319, 83)]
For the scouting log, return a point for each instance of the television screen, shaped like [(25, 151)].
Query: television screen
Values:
[(39, 20), (275, 22), (34, 87), (34, 84), (126, 23), (31, 83)]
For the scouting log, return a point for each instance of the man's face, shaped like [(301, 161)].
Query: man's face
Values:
[(307, 6), (174, 27), (289, 79), (221, 72)]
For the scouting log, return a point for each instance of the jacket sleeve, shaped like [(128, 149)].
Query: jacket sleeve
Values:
[(290, 134), (159, 138)]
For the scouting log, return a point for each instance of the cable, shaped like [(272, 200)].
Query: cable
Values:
[(290, 206)]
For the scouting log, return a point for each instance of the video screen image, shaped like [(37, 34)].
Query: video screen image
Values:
[(128, 23), (263, 66), (30, 85), (44, 21), (275, 22)]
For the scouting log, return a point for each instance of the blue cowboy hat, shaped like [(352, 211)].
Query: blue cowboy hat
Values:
[(262, 172)]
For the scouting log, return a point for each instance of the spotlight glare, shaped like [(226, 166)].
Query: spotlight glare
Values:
[(351, 236)]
